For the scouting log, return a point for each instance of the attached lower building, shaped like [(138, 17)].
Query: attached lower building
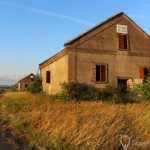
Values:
[(116, 50)]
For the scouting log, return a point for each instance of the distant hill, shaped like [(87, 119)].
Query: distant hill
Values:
[(5, 86)]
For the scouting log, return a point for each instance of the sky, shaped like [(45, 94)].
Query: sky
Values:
[(31, 31)]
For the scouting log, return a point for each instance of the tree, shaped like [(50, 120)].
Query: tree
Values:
[(36, 85)]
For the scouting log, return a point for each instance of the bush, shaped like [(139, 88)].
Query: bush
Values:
[(141, 92), (58, 96), (108, 93), (2, 91), (83, 91), (115, 93), (145, 89), (79, 91), (111, 92), (36, 85)]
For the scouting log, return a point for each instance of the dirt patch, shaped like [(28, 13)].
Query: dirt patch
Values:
[(8, 141), (4, 143)]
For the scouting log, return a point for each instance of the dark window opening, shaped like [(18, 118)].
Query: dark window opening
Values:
[(122, 89), (144, 73), (48, 77), (123, 41), (101, 73), (31, 77), (26, 85), (122, 83), (97, 73)]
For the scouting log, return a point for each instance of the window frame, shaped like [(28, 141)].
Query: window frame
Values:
[(127, 42), (26, 85), (142, 72), (48, 76), (103, 76)]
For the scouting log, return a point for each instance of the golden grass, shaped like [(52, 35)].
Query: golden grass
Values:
[(70, 125)]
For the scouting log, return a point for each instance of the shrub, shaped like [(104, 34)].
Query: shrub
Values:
[(145, 89), (58, 96), (2, 91), (108, 93), (36, 85), (83, 91), (62, 126), (111, 92), (79, 91), (115, 93)]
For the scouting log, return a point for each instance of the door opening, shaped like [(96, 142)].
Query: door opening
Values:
[(122, 90)]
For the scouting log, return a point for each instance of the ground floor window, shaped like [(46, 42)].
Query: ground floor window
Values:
[(144, 72), (99, 73), (48, 77), (26, 85)]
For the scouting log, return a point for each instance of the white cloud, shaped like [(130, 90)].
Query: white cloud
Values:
[(48, 13), (10, 79), (37, 33)]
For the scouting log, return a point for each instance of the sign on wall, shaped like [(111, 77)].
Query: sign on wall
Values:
[(122, 29)]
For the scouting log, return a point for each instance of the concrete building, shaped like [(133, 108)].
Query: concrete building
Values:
[(23, 83), (117, 50)]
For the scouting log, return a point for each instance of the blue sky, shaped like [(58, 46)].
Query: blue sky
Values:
[(34, 30)]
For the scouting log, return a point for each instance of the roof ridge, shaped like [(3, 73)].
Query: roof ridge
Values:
[(94, 27), (27, 76)]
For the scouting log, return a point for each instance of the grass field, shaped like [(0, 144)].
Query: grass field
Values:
[(95, 125)]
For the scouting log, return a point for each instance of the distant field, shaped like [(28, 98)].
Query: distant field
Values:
[(70, 125), (5, 86)]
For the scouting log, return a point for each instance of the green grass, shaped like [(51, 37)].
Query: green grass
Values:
[(58, 125)]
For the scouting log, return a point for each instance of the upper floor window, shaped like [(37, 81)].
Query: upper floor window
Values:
[(48, 77), (31, 77), (123, 41)]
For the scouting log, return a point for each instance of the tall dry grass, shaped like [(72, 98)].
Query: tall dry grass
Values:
[(69, 125)]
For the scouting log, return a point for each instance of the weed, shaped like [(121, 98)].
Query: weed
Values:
[(72, 125)]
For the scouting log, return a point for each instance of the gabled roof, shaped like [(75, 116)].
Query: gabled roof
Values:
[(64, 51), (100, 24), (31, 74)]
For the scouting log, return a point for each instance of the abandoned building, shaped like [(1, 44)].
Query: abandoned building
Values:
[(23, 83), (116, 50)]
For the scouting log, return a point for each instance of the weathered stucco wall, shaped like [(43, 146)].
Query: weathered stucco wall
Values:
[(104, 38), (86, 62), (59, 73), (101, 47), (23, 84), (119, 66)]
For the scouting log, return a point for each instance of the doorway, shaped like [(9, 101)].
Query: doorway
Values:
[(122, 83), (122, 90)]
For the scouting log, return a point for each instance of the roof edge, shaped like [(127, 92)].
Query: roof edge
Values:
[(102, 23), (94, 27), (27, 76), (54, 57)]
